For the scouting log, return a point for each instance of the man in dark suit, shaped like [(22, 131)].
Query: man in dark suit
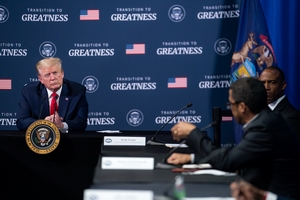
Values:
[(267, 156), (70, 107), (274, 81)]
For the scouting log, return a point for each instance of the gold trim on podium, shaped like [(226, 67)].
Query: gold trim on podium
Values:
[(42, 137)]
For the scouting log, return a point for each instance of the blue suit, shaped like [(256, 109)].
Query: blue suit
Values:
[(34, 105)]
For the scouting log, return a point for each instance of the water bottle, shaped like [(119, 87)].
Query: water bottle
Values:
[(179, 189)]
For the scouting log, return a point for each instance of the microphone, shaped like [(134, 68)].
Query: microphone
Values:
[(42, 106), (164, 165), (153, 141)]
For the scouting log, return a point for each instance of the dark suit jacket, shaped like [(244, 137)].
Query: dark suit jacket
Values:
[(290, 114), (284, 198), (34, 105), (268, 155)]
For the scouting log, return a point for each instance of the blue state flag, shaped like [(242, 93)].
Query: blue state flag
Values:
[(253, 50)]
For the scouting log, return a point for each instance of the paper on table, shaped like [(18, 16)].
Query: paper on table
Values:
[(109, 131), (211, 172), (176, 145), (197, 166), (209, 198)]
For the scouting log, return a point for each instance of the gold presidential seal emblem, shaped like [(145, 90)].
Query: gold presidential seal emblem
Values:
[(42, 137)]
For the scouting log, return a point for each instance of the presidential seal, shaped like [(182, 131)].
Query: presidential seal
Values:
[(42, 137)]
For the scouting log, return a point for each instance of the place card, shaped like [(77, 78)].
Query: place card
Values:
[(118, 194), (109, 131), (124, 141), (197, 166), (140, 163), (178, 145)]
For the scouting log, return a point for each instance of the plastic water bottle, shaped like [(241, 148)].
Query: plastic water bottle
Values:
[(179, 189)]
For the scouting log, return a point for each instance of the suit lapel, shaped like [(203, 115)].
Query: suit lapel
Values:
[(281, 104), (261, 114), (63, 101), (45, 110)]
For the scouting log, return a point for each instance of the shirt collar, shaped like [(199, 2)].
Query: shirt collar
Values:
[(273, 105), (251, 120), (58, 92)]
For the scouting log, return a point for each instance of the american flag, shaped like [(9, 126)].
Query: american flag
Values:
[(89, 14), (178, 82), (135, 49)]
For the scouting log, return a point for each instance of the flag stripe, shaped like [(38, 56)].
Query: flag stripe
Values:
[(5, 84), (226, 119)]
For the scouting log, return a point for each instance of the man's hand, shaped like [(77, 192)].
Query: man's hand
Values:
[(179, 158), (182, 130), (242, 190), (56, 119)]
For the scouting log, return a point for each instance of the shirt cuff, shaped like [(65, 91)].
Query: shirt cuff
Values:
[(270, 196), (192, 158), (65, 128)]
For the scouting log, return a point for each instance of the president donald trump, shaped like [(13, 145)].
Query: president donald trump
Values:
[(53, 98)]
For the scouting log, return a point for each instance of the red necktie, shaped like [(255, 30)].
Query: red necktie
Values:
[(53, 106)]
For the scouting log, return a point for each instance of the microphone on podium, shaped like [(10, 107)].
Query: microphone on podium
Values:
[(164, 165), (153, 140)]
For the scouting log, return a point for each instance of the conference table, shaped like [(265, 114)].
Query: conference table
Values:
[(75, 167), (160, 181)]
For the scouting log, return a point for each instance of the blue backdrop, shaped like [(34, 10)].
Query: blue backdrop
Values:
[(140, 61)]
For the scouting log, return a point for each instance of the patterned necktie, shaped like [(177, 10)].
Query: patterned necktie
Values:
[(53, 106)]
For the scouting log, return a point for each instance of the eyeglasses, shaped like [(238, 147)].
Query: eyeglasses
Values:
[(229, 104)]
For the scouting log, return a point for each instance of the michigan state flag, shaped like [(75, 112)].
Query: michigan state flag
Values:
[(253, 50)]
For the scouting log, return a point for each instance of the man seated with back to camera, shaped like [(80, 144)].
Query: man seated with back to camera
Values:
[(274, 81), (72, 107), (268, 156)]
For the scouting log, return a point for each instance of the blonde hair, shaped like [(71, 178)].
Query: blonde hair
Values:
[(48, 62)]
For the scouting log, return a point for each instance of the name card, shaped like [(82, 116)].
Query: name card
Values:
[(141, 163), (124, 141), (118, 194)]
